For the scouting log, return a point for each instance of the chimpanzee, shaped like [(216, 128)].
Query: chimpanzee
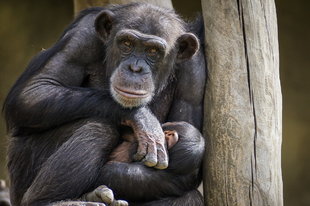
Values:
[(136, 70)]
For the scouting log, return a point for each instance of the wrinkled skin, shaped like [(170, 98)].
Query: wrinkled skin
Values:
[(135, 64)]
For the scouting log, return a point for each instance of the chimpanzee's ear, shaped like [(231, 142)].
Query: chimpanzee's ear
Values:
[(104, 24), (188, 45)]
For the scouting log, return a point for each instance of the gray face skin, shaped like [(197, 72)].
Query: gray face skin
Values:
[(141, 60)]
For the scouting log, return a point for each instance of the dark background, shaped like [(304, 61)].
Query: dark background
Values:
[(28, 26)]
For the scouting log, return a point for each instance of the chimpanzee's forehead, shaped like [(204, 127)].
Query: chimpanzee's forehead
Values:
[(152, 20)]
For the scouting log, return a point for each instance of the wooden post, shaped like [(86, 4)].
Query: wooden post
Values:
[(243, 104), (82, 4)]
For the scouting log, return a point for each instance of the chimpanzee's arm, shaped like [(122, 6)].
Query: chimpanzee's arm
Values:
[(49, 92), (143, 183), (188, 100), (188, 107)]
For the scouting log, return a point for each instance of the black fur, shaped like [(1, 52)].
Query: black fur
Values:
[(64, 123)]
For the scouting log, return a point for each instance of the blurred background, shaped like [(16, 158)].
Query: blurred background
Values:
[(28, 26)]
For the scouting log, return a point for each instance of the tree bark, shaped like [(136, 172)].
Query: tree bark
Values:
[(82, 4), (243, 104)]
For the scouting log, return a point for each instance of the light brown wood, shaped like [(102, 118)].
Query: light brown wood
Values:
[(243, 104), (82, 4)]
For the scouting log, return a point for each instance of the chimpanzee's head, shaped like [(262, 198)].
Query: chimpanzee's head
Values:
[(143, 45)]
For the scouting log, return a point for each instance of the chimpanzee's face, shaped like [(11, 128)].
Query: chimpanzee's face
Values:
[(140, 63), (133, 82)]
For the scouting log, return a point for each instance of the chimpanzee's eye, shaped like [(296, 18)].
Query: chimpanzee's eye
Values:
[(152, 51), (126, 46)]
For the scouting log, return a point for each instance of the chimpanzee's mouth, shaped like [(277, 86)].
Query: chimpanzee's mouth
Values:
[(131, 94)]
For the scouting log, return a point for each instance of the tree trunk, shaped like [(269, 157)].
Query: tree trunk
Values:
[(82, 4), (243, 104)]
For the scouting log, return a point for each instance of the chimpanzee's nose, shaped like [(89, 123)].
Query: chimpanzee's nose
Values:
[(135, 68)]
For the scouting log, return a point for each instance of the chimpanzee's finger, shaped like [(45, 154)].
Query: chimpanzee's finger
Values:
[(77, 203), (141, 151), (91, 197), (150, 159), (162, 157), (105, 193), (119, 203)]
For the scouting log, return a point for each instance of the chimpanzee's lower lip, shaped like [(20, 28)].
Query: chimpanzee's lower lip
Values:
[(130, 94)]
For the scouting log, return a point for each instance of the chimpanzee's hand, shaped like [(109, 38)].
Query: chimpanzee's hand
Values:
[(151, 139)]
